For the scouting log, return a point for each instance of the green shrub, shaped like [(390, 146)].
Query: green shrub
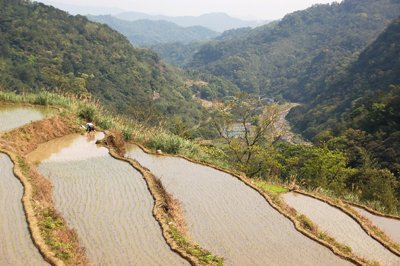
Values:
[(127, 133), (171, 144), (41, 99), (105, 122), (87, 112)]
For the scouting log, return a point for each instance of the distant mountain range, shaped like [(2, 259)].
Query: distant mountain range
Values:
[(146, 32), (215, 21), (218, 22)]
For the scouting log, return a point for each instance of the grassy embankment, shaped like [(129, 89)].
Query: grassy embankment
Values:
[(72, 112)]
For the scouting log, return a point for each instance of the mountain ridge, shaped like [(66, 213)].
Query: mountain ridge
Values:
[(286, 57), (44, 48), (146, 32), (218, 22)]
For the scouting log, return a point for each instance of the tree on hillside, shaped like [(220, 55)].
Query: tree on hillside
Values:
[(247, 130)]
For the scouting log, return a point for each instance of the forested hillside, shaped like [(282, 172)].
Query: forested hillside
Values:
[(42, 47), (181, 54), (288, 58), (366, 98), (148, 32)]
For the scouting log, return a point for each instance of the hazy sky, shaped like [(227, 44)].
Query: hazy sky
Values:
[(251, 9)]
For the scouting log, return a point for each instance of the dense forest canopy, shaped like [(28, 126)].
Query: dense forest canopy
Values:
[(290, 57), (365, 98), (146, 33), (42, 47)]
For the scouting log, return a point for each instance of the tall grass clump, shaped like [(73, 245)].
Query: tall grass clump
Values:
[(44, 98), (6, 96), (104, 121), (49, 98), (127, 132), (172, 144), (87, 112)]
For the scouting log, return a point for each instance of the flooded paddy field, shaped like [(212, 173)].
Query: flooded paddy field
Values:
[(13, 116), (16, 245), (342, 227), (106, 201), (390, 226), (232, 220)]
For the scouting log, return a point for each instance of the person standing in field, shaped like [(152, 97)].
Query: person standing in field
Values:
[(89, 127)]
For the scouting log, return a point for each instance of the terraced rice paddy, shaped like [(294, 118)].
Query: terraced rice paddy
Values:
[(16, 246), (390, 226), (342, 227), (231, 219), (15, 116), (106, 201)]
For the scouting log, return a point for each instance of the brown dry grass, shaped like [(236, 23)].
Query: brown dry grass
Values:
[(25, 139), (42, 188), (115, 140), (172, 206)]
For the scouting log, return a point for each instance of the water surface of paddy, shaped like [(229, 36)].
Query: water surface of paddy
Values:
[(231, 219), (16, 246), (15, 116), (342, 227), (390, 226), (107, 202)]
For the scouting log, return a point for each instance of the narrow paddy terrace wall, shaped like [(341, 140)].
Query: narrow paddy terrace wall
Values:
[(106, 201), (27, 138), (229, 218), (389, 225), (342, 227), (16, 245), (51, 235)]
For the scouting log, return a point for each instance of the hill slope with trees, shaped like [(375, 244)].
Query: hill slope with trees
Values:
[(288, 57), (363, 102), (43, 48), (148, 32)]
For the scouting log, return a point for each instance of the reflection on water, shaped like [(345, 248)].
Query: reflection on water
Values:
[(107, 202), (342, 227), (15, 116), (74, 147), (390, 226), (231, 219), (16, 246)]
